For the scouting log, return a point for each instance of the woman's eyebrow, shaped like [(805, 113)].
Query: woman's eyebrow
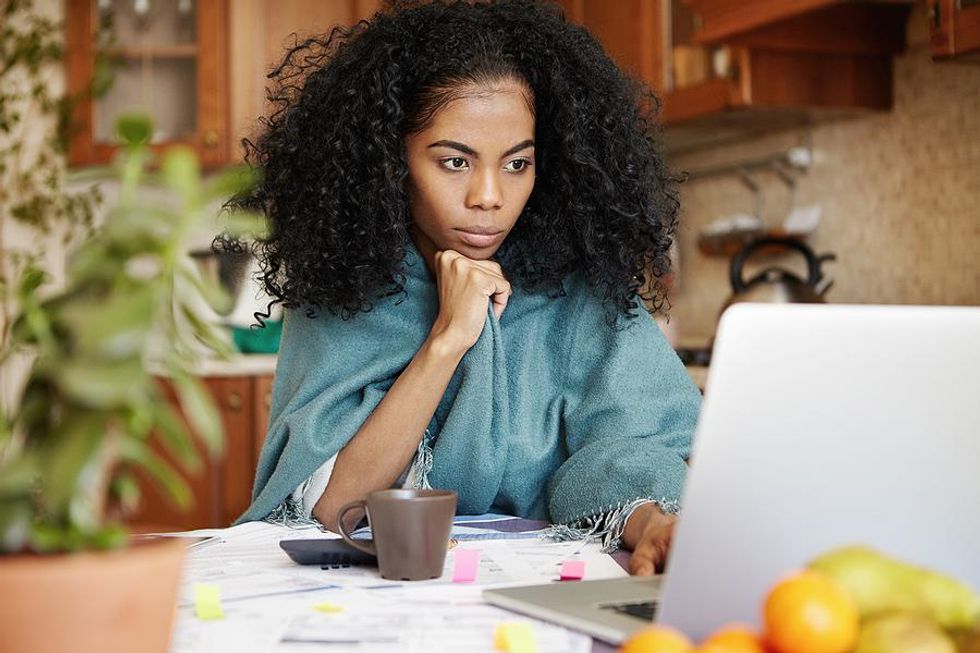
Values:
[(466, 149)]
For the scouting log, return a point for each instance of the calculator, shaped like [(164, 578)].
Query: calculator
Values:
[(328, 553)]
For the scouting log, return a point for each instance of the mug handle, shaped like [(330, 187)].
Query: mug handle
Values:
[(367, 546)]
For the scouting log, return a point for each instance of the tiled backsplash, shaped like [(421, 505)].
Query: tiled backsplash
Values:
[(900, 193)]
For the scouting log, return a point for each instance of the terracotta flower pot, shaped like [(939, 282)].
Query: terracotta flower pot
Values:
[(105, 602)]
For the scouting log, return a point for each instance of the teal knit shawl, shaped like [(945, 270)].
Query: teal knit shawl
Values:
[(552, 414)]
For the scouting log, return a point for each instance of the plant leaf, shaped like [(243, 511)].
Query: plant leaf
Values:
[(102, 384), (46, 538), (140, 228), (201, 412), (230, 181), (216, 296), (182, 173), (78, 443), (176, 438), (17, 477), (15, 525), (116, 327), (134, 128), (126, 492), (248, 224), (207, 333), (137, 453), (112, 536)]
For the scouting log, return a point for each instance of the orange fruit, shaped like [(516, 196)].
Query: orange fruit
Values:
[(735, 638), (657, 639), (810, 612)]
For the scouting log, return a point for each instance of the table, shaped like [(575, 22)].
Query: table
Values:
[(268, 601)]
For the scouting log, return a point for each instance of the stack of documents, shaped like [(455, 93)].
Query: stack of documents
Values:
[(269, 603)]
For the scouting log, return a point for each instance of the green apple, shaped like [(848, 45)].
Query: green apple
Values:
[(880, 585), (903, 633)]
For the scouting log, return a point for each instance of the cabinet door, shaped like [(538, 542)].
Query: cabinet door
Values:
[(157, 513), (170, 61), (262, 400), (261, 31), (221, 488), (954, 27), (631, 31), (233, 396)]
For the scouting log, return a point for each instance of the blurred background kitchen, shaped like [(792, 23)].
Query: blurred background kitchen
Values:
[(831, 150)]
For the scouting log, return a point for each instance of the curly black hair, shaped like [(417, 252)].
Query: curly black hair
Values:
[(334, 166)]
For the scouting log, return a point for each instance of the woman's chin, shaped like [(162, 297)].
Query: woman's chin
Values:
[(477, 253)]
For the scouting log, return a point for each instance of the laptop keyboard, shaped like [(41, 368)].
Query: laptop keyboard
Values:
[(642, 610)]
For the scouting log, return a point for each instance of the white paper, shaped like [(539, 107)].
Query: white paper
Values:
[(268, 599), (428, 620)]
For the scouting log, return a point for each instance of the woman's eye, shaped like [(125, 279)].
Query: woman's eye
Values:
[(454, 163), (518, 165)]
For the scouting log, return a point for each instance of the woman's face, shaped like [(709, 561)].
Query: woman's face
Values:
[(471, 171)]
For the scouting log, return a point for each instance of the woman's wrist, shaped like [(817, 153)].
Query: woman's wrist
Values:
[(442, 347), (637, 523)]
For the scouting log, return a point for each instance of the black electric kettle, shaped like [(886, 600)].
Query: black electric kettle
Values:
[(776, 284)]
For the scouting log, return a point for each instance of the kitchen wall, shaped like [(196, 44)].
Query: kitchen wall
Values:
[(15, 237), (900, 193)]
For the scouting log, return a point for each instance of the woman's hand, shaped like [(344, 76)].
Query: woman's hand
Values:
[(648, 534), (465, 288)]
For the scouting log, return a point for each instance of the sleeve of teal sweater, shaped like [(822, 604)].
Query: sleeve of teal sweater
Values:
[(322, 395), (629, 417)]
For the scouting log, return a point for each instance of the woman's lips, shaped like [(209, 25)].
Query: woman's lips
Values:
[(479, 239)]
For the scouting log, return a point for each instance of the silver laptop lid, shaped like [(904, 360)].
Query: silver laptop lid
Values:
[(823, 426)]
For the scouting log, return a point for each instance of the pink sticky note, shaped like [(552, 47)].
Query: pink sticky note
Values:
[(572, 570), (467, 562)]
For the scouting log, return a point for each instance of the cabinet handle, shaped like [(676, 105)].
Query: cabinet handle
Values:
[(268, 399), (234, 401), (211, 138)]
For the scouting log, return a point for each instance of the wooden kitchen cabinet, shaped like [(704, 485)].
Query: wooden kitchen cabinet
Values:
[(954, 28), (170, 60), (261, 31), (222, 487), (765, 65), (719, 20), (631, 31), (198, 68)]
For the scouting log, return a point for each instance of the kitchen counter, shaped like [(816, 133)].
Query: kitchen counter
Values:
[(260, 364), (238, 365)]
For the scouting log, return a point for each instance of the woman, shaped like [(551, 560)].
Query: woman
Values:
[(467, 209)]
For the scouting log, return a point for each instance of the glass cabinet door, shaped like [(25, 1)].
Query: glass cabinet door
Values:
[(167, 59), (154, 68)]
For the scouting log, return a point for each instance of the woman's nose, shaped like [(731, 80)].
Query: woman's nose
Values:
[(484, 191)]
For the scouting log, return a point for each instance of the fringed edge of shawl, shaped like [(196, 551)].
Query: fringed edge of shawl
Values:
[(422, 465), (289, 513), (606, 526)]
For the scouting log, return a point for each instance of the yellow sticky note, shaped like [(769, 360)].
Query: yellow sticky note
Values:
[(329, 608), (515, 637), (207, 601)]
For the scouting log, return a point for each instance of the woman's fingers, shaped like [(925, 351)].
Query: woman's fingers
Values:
[(499, 293), (642, 562), (466, 288), (650, 553)]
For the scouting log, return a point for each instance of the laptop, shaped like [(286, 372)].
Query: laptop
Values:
[(822, 426)]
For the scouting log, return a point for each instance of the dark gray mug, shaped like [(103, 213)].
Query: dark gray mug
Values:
[(411, 531)]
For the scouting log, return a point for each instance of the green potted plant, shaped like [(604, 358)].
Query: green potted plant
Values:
[(92, 407)]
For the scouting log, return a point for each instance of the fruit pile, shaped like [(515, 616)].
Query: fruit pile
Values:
[(851, 600)]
